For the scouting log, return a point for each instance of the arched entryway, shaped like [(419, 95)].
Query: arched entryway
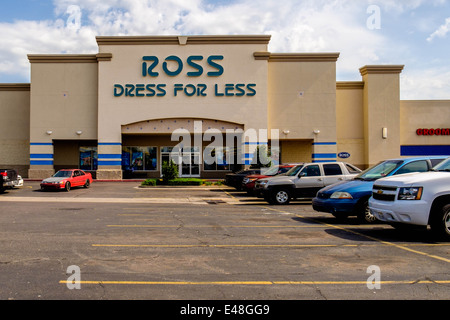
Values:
[(146, 145)]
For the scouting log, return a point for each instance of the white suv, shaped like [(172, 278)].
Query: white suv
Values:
[(417, 199)]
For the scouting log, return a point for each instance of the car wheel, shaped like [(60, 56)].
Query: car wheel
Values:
[(281, 197), (364, 214), (440, 224), (87, 184), (67, 186)]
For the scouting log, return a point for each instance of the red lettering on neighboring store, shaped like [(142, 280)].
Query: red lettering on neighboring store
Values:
[(433, 132)]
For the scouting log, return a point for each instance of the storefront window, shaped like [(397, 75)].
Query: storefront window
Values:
[(88, 158), (217, 158), (139, 158)]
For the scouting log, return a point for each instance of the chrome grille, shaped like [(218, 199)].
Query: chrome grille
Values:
[(384, 193)]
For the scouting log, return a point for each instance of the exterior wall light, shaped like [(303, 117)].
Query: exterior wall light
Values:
[(385, 133), (49, 132), (316, 131), (286, 132), (79, 133)]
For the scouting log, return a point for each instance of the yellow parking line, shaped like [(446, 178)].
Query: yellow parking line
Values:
[(258, 245), (204, 226), (402, 247), (255, 283), (225, 245)]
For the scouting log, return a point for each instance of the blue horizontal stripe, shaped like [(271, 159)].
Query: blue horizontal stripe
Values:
[(324, 156), (109, 156), (41, 162), (255, 143), (425, 150), (41, 144), (109, 143), (324, 143), (110, 163), (41, 156)]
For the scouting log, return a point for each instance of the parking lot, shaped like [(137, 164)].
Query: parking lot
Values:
[(120, 241)]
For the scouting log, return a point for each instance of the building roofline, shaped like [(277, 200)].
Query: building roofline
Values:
[(69, 58), (381, 69), (182, 40), (15, 86), (349, 85), (297, 57)]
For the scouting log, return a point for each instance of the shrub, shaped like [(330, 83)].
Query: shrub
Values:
[(169, 171), (185, 182), (149, 182)]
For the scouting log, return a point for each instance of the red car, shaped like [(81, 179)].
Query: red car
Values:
[(248, 184), (66, 179)]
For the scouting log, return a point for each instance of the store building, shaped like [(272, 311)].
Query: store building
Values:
[(115, 113)]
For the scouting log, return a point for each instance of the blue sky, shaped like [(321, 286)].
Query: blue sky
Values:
[(26, 10), (415, 33)]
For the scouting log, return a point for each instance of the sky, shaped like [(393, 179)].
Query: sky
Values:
[(414, 33)]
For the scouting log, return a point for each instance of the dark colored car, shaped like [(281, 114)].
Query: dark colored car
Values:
[(248, 184), (235, 179), (9, 178)]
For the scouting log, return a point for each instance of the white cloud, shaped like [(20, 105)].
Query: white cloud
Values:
[(295, 26), (441, 32), (428, 84)]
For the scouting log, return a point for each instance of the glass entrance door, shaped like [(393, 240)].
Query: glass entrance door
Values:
[(188, 161), (190, 166)]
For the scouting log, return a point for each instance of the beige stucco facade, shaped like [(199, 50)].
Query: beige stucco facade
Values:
[(115, 113)]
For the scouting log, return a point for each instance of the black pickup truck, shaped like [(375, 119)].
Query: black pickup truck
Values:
[(8, 177)]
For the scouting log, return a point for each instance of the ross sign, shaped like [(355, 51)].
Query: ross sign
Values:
[(344, 155), (193, 67), (433, 132)]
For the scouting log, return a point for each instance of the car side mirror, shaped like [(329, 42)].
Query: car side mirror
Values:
[(301, 174)]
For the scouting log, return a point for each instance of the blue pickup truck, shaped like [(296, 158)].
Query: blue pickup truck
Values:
[(350, 198)]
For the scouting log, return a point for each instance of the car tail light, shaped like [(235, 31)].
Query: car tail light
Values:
[(4, 173)]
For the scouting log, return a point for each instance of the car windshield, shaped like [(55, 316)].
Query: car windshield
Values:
[(381, 170), (443, 166), (270, 171), (293, 171), (63, 174)]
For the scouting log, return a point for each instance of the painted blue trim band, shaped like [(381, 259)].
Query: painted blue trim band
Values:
[(255, 143), (109, 163), (41, 144), (324, 143), (41, 162), (425, 150), (324, 156), (109, 143), (41, 156), (109, 156)]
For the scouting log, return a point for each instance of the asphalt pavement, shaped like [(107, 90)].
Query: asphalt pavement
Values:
[(116, 240)]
